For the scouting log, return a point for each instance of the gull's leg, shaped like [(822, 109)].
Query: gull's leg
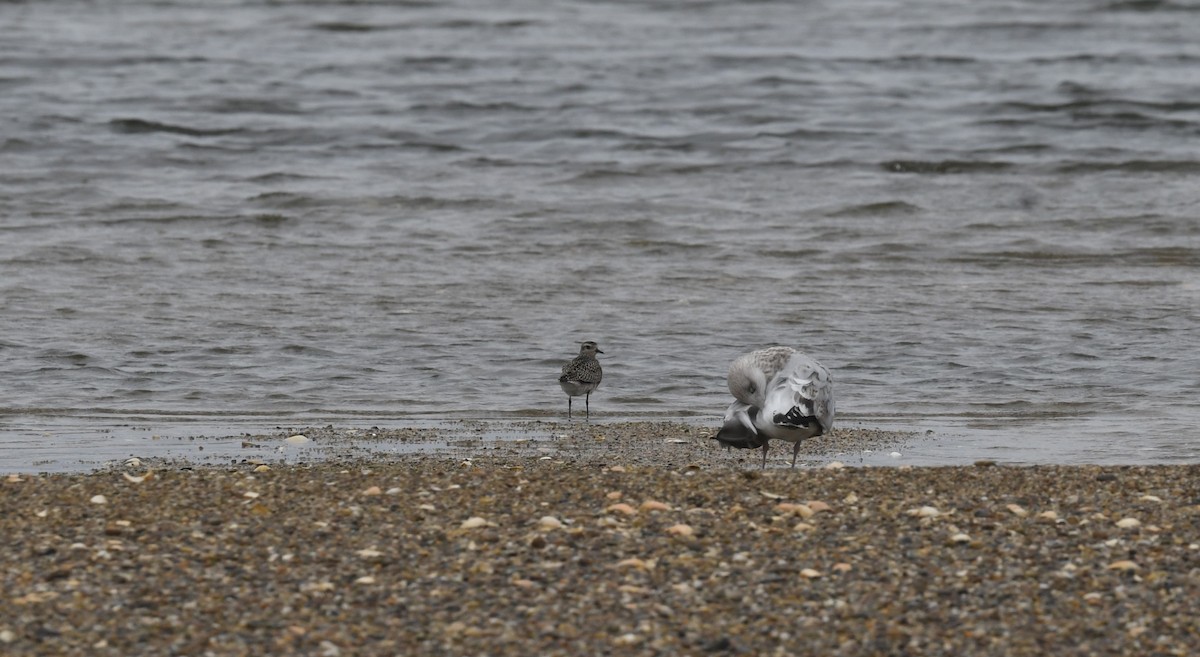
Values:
[(795, 451), (764, 464)]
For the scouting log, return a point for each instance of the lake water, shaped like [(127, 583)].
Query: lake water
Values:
[(983, 217)]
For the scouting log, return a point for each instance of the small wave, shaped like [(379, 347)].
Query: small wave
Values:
[(1147, 6), (944, 167), (882, 208), (339, 26), (17, 146), (469, 24), (1163, 256), (468, 106), (141, 126), (1132, 166), (253, 106), (280, 177)]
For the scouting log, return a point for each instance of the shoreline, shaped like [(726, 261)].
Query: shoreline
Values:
[(620, 545), (640, 441)]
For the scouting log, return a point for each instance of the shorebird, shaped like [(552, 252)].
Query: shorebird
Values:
[(778, 393), (581, 376)]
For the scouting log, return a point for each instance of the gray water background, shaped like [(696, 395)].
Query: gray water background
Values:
[(983, 217)]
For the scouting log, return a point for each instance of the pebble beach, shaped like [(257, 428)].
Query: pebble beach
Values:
[(640, 538)]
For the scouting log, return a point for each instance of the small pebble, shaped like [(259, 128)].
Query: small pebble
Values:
[(99, 499), (474, 522), (1129, 523), (1017, 510), (622, 508), (654, 505), (681, 530), (810, 573), (802, 510), (549, 522), (639, 564), (372, 491), (298, 439)]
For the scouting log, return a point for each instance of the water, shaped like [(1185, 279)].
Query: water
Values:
[(982, 217)]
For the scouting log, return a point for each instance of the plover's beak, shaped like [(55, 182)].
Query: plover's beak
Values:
[(599, 352)]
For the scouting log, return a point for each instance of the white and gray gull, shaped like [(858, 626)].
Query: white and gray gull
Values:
[(581, 376), (778, 393)]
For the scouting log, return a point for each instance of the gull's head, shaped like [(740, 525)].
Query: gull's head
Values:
[(747, 382), (589, 348)]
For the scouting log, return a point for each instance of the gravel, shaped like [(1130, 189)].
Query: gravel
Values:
[(632, 539)]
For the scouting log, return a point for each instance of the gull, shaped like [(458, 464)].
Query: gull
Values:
[(778, 393), (581, 376)]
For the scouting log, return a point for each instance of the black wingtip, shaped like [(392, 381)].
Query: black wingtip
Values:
[(736, 434), (795, 418)]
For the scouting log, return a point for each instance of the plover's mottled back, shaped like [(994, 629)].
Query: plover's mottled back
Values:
[(581, 376), (780, 393)]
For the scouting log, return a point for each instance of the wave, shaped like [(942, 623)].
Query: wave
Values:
[(943, 167), (881, 208), (1132, 166), (141, 126)]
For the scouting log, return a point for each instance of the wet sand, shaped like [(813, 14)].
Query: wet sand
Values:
[(639, 538)]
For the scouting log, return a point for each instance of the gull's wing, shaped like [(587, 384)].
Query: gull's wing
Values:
[(738, 429), (800, 397)]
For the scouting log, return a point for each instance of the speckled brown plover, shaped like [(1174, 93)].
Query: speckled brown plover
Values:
[(581, 376)]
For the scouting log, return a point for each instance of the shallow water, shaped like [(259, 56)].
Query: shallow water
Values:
[(982, 217)]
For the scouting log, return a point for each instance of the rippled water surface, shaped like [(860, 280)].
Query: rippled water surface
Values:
[(984, 217)]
